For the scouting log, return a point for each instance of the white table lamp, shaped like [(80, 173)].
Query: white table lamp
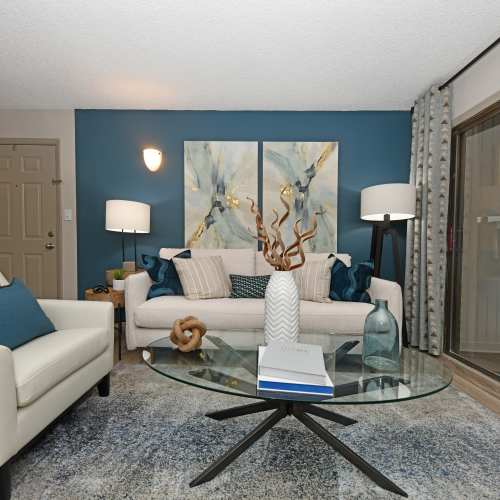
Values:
[(125, 216)]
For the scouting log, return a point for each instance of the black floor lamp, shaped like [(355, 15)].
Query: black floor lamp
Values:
[(382, 205)]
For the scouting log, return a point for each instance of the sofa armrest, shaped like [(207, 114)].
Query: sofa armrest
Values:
[(136, 293), (390, 291), (8, 406), (66, 314)]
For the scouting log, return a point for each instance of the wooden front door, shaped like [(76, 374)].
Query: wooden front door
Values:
[(28, 217)]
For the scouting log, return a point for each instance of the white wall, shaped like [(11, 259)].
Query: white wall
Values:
[(53, 125), (477, 88)]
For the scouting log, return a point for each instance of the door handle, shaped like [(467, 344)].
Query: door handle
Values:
[(49, 246)]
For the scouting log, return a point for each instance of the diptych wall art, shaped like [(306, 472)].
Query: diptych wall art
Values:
[(218, 177), (310, 170)]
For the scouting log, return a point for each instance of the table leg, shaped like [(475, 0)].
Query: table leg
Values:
[(347, 453), (301, 412), (233, 453), (328, 415), (238, 411)]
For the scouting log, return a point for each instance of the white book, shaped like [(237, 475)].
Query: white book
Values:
[(293, 384), (303, 378), (293, 359)]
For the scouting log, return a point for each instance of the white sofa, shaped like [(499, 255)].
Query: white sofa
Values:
[(148, 320), (41, 379)]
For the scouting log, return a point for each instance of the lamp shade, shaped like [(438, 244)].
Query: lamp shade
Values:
[(396, 200), (127, 216), (152, 158)]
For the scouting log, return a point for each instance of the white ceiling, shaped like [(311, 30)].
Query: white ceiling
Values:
[(235, 54)]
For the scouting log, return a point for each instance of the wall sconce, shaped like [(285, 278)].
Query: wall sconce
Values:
[(152, 158)]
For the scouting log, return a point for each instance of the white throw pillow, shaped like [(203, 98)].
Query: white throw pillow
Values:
[(313, 280), (203, 278)]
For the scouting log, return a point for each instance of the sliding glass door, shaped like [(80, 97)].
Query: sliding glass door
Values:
[(473, 284)]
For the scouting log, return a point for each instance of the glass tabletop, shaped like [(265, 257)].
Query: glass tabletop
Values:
[(227, 363)]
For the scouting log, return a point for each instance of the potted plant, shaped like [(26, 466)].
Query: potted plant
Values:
[(119, 279)]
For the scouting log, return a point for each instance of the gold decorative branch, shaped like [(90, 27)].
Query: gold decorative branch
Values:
[(274, 249)]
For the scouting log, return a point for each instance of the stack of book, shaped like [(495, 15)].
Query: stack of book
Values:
[(293, 367)]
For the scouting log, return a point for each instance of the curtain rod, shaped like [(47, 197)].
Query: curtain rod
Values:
[(467, 66)]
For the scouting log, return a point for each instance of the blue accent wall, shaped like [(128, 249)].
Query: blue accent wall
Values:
[(374, 149)]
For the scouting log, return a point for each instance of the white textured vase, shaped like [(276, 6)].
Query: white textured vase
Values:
[(282, 309)]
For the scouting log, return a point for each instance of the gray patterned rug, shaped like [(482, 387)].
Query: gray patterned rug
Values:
[(150, 438)]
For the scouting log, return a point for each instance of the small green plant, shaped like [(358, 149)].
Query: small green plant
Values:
[(119, 274)]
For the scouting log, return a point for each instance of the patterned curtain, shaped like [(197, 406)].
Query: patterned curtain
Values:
[(426, 234)]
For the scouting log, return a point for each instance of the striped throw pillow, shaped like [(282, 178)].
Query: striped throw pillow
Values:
[(313, 280), (203, 278)]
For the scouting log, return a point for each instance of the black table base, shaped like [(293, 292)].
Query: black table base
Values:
[(302, 412)]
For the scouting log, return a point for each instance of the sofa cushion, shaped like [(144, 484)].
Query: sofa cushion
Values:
[(245, 314), (43, 363), (248, 287), (164, 275), (217, 314), (236, 261), (203, 277), (335, 317), (21, 317), (351, 283), (313, 280), (263, 267)]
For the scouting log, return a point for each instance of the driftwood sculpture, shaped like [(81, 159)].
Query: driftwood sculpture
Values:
[(273, 248)]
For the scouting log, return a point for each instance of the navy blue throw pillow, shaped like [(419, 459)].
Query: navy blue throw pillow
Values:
[(163, 273), (350, 284), (248, 287), (21, 317)]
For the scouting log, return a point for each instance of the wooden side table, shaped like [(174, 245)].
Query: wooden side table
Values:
[(117, 298)]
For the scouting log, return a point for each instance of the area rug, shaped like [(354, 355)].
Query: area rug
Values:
[(149, 438)]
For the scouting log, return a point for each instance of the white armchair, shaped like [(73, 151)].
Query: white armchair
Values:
[(136, 292), (41, 379)]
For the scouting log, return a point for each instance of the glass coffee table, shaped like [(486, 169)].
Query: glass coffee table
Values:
[(227, 363)]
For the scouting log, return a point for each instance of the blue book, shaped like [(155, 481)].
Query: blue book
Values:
[(265, 385)]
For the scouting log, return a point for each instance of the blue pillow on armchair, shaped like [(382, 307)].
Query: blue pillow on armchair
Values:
[(21, 317), (350, 284), (163, 273)]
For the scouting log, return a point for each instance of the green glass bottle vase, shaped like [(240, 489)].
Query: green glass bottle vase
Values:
[(381, 339)]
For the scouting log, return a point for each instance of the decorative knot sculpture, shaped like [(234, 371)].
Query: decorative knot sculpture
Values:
[(186, 343)]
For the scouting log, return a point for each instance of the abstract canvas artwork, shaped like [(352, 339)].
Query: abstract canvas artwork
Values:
[(218, 177), (308, 173)]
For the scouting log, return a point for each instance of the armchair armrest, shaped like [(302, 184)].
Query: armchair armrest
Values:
[(78, 313), (8, 406), (136, 293), (390, 291)]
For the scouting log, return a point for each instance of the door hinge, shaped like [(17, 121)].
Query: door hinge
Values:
[(56, 182)]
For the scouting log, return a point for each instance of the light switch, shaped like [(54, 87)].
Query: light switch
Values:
[(68, 214)]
